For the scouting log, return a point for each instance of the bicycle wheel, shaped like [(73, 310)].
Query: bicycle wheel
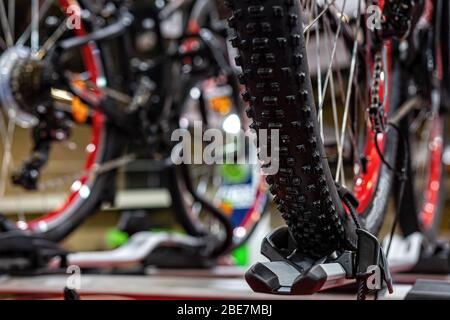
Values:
[(237, 189), (274, 51), (62, 201), (425, 127)]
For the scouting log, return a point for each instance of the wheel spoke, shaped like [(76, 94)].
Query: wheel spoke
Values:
[(12, 16), (3, 128), (7, 156), (35, 26), (336, 119), (27, 33), (3, 45), (48, 45), (309, 7), (319, 75), (330, 65), (348, 97), (317, 18), (5, 25), (330, 77)]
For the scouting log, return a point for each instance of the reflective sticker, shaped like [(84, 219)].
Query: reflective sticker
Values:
[(80, 111)]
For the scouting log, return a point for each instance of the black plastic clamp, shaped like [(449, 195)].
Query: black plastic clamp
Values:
[(23, 254), (290, 273), (371, 262)]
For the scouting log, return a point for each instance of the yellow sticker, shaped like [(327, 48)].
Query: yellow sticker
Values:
[(226, 208), (221, 105), (80, 111)]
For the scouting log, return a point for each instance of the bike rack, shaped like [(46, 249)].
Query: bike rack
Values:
[(411, 259), (421, 270), (404, 253), (429, 290), (435, 260), (22, 254), (289, 273), (422, 289), (412, 255), (146, 248)]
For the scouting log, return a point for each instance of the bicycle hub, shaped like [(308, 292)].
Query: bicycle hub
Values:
[(22, 85)]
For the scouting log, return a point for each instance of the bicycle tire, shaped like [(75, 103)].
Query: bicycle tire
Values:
[(269, 36), (413, 217), (411, 220)]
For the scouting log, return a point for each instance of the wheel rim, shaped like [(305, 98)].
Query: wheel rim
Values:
[(429, 209)]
